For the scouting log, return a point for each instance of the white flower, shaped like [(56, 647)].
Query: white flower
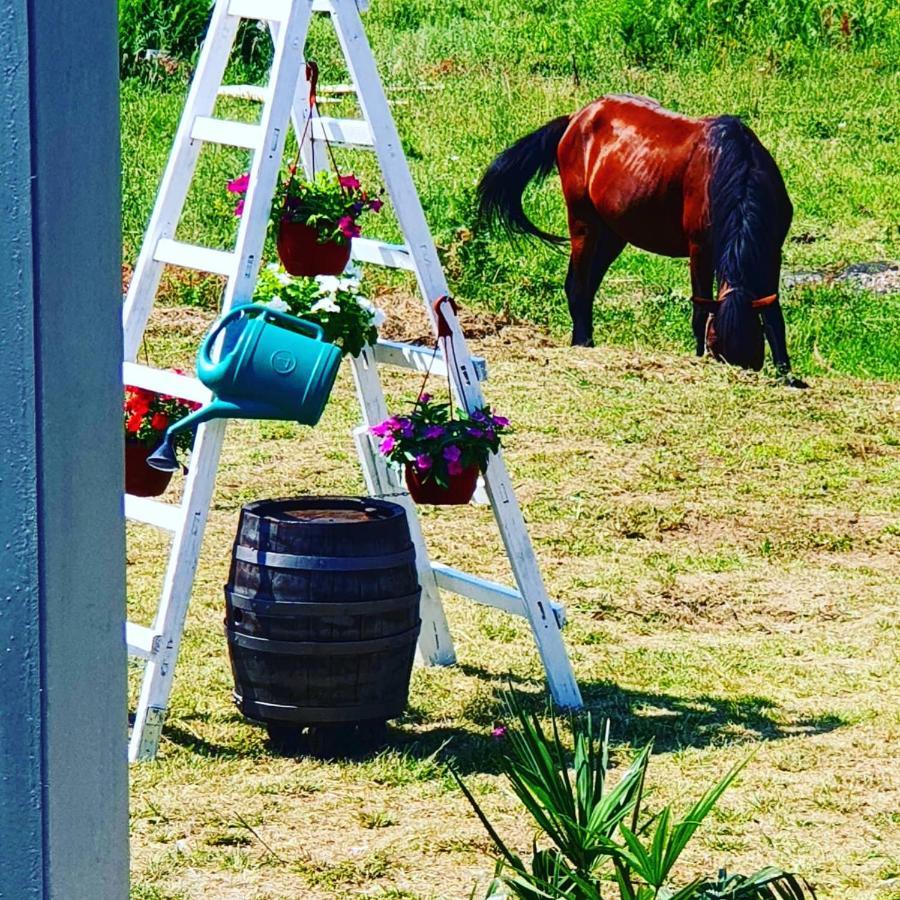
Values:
[(278, 304), (378, 317), (273, 267), (365, 303), (325, 304), (284, 278), (328, 283)]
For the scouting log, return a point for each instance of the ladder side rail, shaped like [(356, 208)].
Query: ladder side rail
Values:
[(175, 596), (435, 644), (511, 523), (266, 165), (176, 180), (389, 149)]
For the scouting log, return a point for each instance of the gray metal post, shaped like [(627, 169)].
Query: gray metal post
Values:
[(63, 770)]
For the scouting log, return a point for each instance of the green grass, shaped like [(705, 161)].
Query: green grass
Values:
[(467, 78)]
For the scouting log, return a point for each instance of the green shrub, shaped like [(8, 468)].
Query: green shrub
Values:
[(597, 834)]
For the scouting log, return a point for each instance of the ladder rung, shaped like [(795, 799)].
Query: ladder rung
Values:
[(488, 592), (165, 382), (227, 132), (343, 132), (153, 512), (192, 256), (419, 358), (256, 92), (394, 256), (265, 10), (141, 641)]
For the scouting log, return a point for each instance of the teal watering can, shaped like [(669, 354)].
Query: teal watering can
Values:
[(272, 366)]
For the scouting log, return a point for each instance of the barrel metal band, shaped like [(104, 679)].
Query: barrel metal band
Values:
[(315, 715), (324, 563), (322, 648), (273, 608)]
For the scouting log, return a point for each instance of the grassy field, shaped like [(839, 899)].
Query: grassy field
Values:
[(728, 552), (467, 78)]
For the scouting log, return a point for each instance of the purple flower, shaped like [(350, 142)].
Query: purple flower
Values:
[(239, 209), (475, 432), (240, 184), (387, 444), (425, 398), (423, 462), (499, 733), (500, 421), (452, 453), (489, 434), (349, 181), (375, 204), (382, 430), (434, 431), (479, 416)]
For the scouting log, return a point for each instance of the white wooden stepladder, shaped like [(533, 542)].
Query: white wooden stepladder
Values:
[(285, 101)]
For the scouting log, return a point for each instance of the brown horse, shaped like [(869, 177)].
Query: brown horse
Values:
[(635, 173)]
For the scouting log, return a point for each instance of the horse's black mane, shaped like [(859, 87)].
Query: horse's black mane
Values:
[(749, 208)]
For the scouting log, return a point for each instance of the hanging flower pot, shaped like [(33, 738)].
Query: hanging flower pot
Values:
[(459, 490), (140, 479), (146, 416), (301, 253), (441, 453)]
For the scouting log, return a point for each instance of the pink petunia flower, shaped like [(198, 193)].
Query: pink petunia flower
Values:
[(239, 209), (499, 732), (348, 227), (423, 462), (376, 204), (382, 430), (454, 468), (425, 398), (240, 184), (387, 444), (350, 182)]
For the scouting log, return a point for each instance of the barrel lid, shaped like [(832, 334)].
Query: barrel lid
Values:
[(325, 510)]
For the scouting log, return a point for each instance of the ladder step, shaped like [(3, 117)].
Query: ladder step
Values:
[(419, 358), (264, 10), (394, 256), (257, 92), (165, 382), (153, 512), (192, 256), (141, 641), (227, 132), (488, 592), (343, 132)]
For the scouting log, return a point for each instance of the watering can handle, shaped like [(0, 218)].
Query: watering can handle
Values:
[(294, 321), (244, 308)]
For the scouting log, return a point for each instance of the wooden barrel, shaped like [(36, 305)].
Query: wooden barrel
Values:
[(322, 611)]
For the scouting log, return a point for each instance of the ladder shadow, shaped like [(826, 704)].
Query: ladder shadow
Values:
[(672, 722)]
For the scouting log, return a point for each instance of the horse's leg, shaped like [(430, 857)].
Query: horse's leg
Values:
[(594, 248), (773, 325), (702, 275)]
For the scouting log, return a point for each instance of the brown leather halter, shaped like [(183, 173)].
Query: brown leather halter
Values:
[(711, 305)]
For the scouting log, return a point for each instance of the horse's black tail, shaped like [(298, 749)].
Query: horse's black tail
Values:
[(502, 185)]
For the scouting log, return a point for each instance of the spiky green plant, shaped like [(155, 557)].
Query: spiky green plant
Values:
[(602, 839)]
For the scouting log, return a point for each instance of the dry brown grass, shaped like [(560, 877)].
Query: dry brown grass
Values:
[(729, 554)]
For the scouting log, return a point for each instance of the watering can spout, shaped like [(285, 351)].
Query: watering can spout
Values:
[(164, 457)]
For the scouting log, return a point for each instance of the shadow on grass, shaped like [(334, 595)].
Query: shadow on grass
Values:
[(636, 718)]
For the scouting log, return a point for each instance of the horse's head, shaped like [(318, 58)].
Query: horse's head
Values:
[(734, 332)]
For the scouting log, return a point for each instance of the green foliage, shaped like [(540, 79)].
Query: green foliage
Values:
[(348, 319), (597, 830), (438, 445), (173, 30)]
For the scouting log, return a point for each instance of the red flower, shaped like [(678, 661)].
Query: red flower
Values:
[(160, 421), (133, 425)]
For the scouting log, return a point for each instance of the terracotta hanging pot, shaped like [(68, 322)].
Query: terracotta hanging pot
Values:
[(459, 490), (302, 254), (140, 479)]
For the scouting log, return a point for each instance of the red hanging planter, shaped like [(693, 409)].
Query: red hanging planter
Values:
[(460, 488), (302, 254), (140, 479)]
